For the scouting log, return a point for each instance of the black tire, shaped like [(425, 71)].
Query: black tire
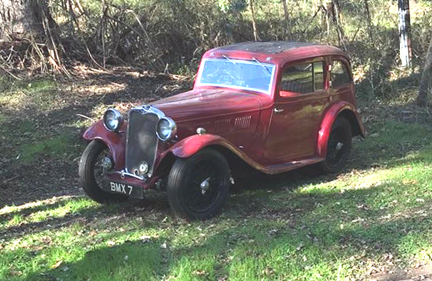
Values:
[(338, 146), (91, 174), (188, 194)]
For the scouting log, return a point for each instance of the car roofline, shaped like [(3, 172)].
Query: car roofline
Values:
[(289, 53)]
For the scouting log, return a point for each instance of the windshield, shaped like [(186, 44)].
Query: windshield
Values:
[(239, 74)]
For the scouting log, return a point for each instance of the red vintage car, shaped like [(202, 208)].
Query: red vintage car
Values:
[(276, 106)]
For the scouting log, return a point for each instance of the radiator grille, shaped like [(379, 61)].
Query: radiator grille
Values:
[(141, 142)]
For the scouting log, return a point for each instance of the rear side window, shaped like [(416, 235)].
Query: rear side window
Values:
[(339, 75), (303, 78), (319, 75)]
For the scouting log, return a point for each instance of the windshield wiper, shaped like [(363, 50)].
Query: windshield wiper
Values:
[(258, 62), (228, 59)]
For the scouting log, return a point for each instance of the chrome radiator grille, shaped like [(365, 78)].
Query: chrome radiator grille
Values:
[(141, 141)]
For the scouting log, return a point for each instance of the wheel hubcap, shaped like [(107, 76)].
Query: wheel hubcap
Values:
[(102, 165), (205, 185), (339, 146), (336, 146), (106, 163)]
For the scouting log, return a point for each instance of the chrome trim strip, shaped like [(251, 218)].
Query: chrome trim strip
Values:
[(146, 108), (124, 173)]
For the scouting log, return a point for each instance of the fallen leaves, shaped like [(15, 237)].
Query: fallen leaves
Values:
[(13, 272), (268, 271), (57, 264), (200, 273), (145, 239), (300, 246)]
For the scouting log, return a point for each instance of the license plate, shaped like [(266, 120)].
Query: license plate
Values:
[(125, 189)]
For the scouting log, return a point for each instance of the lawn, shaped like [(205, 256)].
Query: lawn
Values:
[(372, 221)]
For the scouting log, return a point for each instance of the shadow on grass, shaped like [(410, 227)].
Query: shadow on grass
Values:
[(85, 215), (312, 237), (274, 230), (24, 212)]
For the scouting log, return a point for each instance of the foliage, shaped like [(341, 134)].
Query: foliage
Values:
[(168, 35)]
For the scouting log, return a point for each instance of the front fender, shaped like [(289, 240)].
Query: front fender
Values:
[(342, 107), (191, 145), (114, 141)]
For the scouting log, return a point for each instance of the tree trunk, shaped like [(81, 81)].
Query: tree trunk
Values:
[(23, 18), (31, 20), (254, 25), (369, 20), (287, 31), (337, 20), (424, 89), (404, 33)]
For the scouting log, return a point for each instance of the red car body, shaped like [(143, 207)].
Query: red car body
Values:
[(273, 133)]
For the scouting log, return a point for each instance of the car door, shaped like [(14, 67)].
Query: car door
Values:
[(300, 99)]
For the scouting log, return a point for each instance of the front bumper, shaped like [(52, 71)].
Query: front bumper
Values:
[(123, 178)]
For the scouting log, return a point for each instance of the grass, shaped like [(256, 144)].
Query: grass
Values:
[(364, 221), (372, 219), (54, 147)]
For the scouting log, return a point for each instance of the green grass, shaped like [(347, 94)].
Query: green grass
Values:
[(57, 146), (35, 122), (291, 227), (374, 217)]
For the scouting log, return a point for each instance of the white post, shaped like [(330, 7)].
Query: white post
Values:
[(404, 33)]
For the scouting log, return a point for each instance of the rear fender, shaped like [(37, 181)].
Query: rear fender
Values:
[(338, 109), (114, 141)]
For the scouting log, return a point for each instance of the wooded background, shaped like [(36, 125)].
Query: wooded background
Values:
[(171, 35)]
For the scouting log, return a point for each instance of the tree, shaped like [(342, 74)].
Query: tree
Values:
[(254, 25), (31, 20), (404, 33), (332, 12), (369, 20), (23, 18), (423, 95), (287, 31)]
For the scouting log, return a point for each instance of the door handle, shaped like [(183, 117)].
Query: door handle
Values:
[(277, 110)]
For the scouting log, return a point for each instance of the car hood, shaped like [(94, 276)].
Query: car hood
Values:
[(199, 104)]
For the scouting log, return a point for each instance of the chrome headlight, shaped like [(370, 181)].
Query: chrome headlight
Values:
[(112, 120), (166, 128)]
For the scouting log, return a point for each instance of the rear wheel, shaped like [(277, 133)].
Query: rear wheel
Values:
[(198, 186), (91, 173), (338, 146)]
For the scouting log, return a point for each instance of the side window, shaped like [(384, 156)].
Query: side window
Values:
[(303, 78), (318, 75), (339, 75)]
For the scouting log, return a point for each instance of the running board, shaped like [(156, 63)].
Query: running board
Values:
[(285, 167)]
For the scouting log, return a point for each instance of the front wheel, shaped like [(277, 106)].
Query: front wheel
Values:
[(198, 186), (91, 173), (338, 146)]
